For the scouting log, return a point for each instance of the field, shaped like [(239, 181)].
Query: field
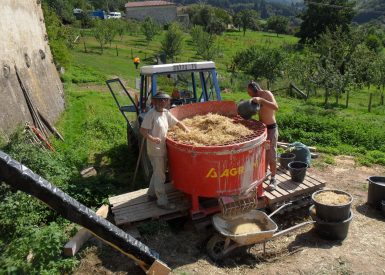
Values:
[(95, 135)]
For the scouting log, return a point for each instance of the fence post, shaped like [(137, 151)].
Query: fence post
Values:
[(370, 102), (382, 99), (116, 47), (85, 47)]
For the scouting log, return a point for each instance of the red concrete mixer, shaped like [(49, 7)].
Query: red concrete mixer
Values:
[(217, 171)]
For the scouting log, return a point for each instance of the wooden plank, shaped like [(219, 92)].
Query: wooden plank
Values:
[(267, 193), (77, 241), (289, 184), (158, 268), (304, 183), (125, 197), (151, 211), (310, 180), (143, 200), (175, 198)]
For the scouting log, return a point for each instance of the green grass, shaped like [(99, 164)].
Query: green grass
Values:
[(95, 135)]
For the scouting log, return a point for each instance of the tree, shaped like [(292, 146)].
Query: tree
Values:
[(205, 44), (373, 42), (150, 28), (279, 24), (213, 20), (56, 37), (172, 43), (261, 62), (112, 30), (248, 19), (100, 34), (237, 21), (321, 15)]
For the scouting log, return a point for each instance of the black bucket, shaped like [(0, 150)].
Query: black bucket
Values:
[(332, 213), (285, 159), (376, 191), (298, 170), (333, 230)]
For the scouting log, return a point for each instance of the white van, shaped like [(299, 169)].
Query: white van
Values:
[(115, 15)]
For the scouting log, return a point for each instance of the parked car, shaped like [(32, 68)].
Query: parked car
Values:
[(114, 15)]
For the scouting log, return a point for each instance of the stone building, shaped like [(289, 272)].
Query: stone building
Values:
[(161, 11), (24, 45)]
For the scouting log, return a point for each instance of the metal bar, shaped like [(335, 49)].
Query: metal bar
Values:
[(279, 209), (288, 230), (153, 85), (203, 84), (216, 85), (194, 85)]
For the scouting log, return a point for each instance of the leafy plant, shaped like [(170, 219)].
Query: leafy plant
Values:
[(172, 44)]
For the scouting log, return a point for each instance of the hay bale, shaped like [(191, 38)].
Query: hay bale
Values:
[(209, 130)]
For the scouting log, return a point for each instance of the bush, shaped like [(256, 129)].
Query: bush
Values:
[(83, 74), (37, 252)]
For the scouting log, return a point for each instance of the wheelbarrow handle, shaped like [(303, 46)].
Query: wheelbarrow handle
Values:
[(279, 209), (288, 230)]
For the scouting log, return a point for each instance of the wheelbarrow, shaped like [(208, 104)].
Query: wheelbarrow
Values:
[(225, 241)]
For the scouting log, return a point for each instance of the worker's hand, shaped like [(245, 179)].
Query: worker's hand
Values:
[(256, 100), (156, 140)]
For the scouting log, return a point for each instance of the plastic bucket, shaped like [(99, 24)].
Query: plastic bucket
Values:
[(246, 109), (333, 230), (332, 213), (285, 159), (376, 191), (298, 170)]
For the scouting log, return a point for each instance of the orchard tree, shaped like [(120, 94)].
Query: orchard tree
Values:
[(172, 42), (261, 62), (150, 28), (322, 15), (248, 20), (279, 24), (205, 44), (101, 34)]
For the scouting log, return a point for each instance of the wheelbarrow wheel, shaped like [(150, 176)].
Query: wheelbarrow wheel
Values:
[(216, 247)]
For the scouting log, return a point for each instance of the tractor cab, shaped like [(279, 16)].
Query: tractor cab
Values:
[(186, 83)]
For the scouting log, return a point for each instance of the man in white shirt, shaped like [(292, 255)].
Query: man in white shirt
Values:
[(154, 128)]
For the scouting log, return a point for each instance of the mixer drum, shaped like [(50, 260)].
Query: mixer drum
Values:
[(215, 171)]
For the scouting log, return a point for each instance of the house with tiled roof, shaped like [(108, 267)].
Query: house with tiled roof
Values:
[(163, 12)]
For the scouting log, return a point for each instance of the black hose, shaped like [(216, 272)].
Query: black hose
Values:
[(22, 178)]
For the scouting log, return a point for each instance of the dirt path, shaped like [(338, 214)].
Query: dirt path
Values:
[(302, 252)]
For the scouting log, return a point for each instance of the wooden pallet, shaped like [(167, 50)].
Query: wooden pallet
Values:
[(287, 189), (135, 206)]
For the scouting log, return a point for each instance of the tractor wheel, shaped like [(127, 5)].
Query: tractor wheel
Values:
[(216, 247)]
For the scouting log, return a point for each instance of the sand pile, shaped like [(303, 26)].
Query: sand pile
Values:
[(210, 129), (332, 198), (247, 227)]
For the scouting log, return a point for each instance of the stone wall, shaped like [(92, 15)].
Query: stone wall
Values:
[(161, 14), (24, 44)]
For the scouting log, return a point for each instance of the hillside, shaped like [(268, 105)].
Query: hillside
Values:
[(368, 10)]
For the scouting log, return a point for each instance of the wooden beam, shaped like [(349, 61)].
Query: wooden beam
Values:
[(77, 241), (158, 268)]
